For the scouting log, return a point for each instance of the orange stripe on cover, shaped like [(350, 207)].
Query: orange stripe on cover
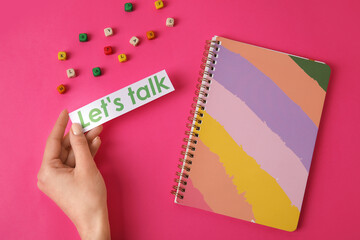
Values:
[(209, 177)]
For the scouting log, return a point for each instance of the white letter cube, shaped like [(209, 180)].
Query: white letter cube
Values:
[(70, 73), (108, 31), (170, 22), (134, 41)]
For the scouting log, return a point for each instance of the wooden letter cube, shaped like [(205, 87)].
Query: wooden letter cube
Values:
[(96, 71), (150, 35), (61, 89), (122, 58), (159, 4), (62, 56), (134, 41), (170, 22), (83, 37), (108, 31), (108, 50), (128, 7), (70, 73)]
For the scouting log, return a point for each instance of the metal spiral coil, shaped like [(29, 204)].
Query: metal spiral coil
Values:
[(195, 120), (195, 105)]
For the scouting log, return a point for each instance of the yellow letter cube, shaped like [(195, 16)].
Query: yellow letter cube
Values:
[(122, 58), (159, 4), (62, 56)]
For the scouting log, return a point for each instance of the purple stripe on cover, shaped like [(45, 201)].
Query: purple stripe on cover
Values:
[(268, 101)]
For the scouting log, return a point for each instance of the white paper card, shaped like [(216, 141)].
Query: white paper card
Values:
[(122, 101)]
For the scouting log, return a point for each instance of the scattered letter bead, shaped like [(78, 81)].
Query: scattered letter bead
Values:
[(70, 73), (128, 7), (122, 58), (108, 31), (150, 35), (134, 41), (96, 71), (62, 56), (170, 22), (108, 50), (83, 37), (159, 4), (61, 89)]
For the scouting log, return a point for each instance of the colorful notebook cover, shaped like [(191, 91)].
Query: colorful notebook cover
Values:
[(253, 133)]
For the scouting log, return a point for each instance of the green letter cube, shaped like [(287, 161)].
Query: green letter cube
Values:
[(96, 71), (83, 37), (128, 7)]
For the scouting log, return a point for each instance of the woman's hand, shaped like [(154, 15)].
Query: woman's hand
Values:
[(69, 176)]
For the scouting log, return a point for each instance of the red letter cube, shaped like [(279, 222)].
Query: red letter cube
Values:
[(108, 50)]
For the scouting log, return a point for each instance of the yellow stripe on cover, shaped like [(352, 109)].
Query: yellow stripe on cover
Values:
[(270, 205)]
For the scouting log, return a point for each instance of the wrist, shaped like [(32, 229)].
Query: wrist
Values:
[(96, 227)]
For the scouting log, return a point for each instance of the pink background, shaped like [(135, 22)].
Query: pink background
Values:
[(140, 150)]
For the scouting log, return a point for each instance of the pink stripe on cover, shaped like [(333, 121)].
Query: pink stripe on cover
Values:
[(194, 197)]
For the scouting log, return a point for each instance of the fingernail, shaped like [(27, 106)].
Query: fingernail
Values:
[(76, 129), (64, 110), (96, 139)]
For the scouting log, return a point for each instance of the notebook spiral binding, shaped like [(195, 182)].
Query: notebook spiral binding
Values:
[(202, 88)]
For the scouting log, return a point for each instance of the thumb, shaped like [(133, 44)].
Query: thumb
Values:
[(79, 144)]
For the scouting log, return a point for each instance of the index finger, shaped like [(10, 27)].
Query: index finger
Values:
[(53, 144)]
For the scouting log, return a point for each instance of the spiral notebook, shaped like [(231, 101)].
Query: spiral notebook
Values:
[(252, 133)]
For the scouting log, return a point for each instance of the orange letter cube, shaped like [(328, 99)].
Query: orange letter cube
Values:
[(150, 35), (61, 89)]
